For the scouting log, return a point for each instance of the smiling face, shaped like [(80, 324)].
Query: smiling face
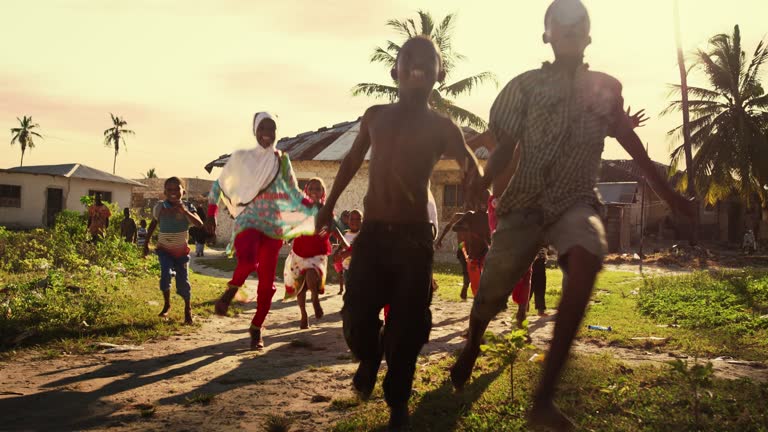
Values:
[(355, 221), (315, 191), (418, 66), (265, 132), (173, 192)]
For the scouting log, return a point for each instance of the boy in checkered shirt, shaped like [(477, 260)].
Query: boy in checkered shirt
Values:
[(559, 116)]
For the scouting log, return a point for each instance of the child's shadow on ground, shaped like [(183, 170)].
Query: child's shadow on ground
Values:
[(442, 408)]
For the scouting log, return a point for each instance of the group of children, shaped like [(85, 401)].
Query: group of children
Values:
[(547, 129)]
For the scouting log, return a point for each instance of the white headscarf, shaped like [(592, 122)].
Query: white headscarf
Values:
[(248, 172)]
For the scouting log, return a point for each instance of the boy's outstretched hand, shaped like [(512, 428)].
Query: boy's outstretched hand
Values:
[(637, 119)]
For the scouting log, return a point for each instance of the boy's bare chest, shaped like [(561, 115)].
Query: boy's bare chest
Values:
[(411, 141)]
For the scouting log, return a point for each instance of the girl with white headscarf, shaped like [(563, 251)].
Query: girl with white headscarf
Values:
[(259, 189)]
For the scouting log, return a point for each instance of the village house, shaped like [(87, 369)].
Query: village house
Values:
[(32, 196)]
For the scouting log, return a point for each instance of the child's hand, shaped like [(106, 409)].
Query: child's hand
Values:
[(637, 119), (324, 219), (210, 225)]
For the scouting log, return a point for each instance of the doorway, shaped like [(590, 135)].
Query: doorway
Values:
[(54, 204)]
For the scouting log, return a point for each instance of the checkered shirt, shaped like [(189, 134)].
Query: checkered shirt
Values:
[(560, 120)]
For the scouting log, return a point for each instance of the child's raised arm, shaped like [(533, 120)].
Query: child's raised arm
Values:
[(456, 217), (150, 231), (631, 142), (349, 167)]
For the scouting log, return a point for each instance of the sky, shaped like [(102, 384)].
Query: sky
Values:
[(187, 75)]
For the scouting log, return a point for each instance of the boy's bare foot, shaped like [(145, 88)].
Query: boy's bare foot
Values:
[(257, 342), (318, 309), (543, 313), (398, 419), (546, 416), (304, 324), (462, 370), (188, 317), (365, 378), (164, 313)]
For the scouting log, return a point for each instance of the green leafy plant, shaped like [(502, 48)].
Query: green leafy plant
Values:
[(503, 350), (697, 377)]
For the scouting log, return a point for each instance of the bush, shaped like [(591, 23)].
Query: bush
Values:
[(732, 302), (67, 247)]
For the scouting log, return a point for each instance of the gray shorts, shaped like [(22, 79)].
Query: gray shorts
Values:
[(518, 237)]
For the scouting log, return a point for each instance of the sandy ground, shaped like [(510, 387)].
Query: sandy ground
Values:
[(296, 375)]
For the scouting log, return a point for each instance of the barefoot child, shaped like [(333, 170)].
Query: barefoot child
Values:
[(174, 217), (392, 256), (307, 263), (260, 191), (460, 239), (343, 254), (559, 116)]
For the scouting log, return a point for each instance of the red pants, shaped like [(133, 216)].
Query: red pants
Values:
[(256, 251), (521, 293)]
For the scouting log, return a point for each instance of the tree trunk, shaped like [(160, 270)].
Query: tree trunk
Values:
[(22, 158), (114, 163), (686, 120)]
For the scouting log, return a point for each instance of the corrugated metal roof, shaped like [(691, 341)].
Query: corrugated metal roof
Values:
[(329, 144), (624, 170), (73, 170), (618, 192)]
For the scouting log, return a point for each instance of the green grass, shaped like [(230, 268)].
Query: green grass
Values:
[(449, 279), (717, 314), (599, 393), (116, 310)]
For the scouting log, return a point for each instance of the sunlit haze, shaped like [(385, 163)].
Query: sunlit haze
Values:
[(188, 75)]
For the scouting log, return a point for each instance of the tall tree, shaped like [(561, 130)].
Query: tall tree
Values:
[(150, 174), (115, 135), (25, 135), (441, 99), (691, 190), (729, 122)]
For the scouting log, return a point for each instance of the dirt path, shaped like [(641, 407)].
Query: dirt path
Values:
[(298, 374)]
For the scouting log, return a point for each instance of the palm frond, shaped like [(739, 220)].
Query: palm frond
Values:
[(427, 23), (458, 114), (376, 90), (400, 26), (466, 85), (759, 57)]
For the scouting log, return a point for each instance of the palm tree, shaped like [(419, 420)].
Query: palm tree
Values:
[(729, 122), (150, 174), (441, 97), (691, 190), (114, 135), (25, 135)]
